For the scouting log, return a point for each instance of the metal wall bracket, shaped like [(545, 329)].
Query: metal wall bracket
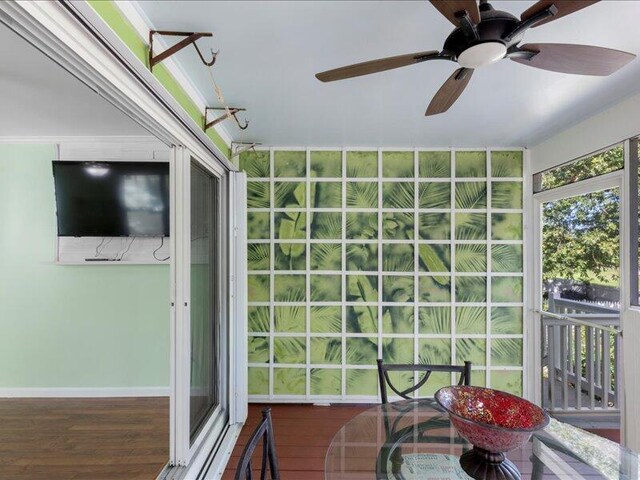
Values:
[(230, 112), (240, 147), (191, 38)]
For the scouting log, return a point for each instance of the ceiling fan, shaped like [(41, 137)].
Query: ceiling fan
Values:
[(484, 36)]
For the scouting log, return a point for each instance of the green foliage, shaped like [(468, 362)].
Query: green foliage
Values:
[(362, 164), (434, 195), (397, 164), (471, 164), (434, 164), (362, 195), (326, 164)]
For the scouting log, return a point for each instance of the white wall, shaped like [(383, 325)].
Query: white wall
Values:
[(611, 126)]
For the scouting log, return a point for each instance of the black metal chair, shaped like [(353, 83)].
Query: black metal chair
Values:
[(264, 431), (383, 374)]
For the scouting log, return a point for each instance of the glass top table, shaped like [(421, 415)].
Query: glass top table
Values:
[(414, 439)]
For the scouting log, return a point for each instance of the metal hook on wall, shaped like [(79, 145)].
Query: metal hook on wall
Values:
[(230, 112), (191, 38)]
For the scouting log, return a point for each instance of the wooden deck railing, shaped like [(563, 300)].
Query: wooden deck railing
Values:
[(581, 361)]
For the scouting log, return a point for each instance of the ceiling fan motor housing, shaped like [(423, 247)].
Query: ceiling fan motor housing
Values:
[(489, 45)]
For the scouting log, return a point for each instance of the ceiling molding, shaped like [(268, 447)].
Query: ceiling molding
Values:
[(141, 23)]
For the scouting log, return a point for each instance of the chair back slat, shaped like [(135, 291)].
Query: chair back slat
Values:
[(264, 432), (385, 380)]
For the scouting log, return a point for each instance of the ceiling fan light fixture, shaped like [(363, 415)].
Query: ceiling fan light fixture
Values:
[(482, 54)]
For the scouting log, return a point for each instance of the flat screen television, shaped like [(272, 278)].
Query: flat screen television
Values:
[(112, 199)]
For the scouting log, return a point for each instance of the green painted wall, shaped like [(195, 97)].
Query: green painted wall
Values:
[(358, 255), (70, 326), (123, 28)]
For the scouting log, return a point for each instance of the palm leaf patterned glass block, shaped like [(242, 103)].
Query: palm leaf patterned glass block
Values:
[(508, 381), (326, 381), (259, 318), (397, 226), (506, 226), (326, 288), (434, 320), (397, 319), (471, 164), (289, 195), (434, 289), (289, 256), (289, 288), (397, 258), (362, 256), (258, 194), (362, 319), (506, 258), (256, 164), (289, 381), (326, 225), (290, 318), (258, 225), (434, 164), (361, 382), (290, 225), (397, 350), (326, 164), (397, 288), (325, 319), (362, 226), (397, 164), (323, 256), (361, 350), (434, 257), (258, 349), (434, 226), (325, 195), (471, 320), (326, 350), (434, 195), (258, 379), (506, 164), (362, 164), (471, 195), (362, 195), (290, 164), (289, 349), (398, 195), (506, 194), (506, 320)]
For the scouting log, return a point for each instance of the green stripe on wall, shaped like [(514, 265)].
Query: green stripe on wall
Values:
[(123, 28)]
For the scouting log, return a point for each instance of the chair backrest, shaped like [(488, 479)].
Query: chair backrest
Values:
[(264, 431), (383, 374)]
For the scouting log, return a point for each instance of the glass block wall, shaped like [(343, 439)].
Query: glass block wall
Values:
[(412, 256)]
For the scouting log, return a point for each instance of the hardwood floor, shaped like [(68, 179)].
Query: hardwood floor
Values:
[(303, 434), (92, 439)]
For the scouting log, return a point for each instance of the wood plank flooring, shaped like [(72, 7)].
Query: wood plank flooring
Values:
[(92, 439), (303, 434)]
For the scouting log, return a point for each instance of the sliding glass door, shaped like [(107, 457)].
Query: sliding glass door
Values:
[(201, 382), (205, 298)]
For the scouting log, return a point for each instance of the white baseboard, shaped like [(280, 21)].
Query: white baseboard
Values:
[(82, 392)]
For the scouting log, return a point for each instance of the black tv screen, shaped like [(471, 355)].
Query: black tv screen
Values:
[(112, 199)]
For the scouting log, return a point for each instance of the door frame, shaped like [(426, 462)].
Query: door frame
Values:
[(603, 182)]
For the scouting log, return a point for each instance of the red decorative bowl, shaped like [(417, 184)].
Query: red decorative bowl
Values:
[(491, 420)]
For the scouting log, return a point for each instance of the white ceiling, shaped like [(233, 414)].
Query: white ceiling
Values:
[(270, 51), (39, 98)]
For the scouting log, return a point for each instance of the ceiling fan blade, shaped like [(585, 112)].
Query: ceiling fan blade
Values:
[(373, 66), (565, 7), (576, 59), (449, 8), (449, 91)]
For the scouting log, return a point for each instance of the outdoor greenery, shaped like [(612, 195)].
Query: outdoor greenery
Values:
[(581, 235), (345, 270)]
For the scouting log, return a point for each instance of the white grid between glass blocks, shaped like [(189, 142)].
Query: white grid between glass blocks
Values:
[(430, 242)]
